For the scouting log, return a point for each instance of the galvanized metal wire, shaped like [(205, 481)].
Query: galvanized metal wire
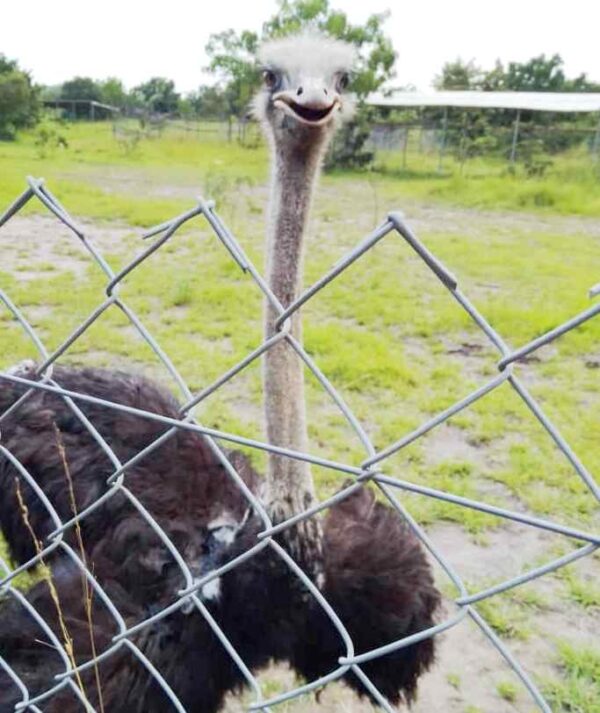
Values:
[(369, 470)]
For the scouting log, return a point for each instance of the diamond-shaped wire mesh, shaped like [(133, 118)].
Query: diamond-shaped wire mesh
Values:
[(123, 643)]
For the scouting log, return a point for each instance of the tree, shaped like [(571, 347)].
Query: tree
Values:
[(19, 102), (539, 74), (113, 92), (232, 59), (232, 55), (458, 75), (376, 54), (81, 88), (158, 94), (209, 102), (471, 130)]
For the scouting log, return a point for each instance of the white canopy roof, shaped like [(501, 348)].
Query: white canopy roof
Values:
[(534, 101)]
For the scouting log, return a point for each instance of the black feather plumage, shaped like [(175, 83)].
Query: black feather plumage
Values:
[(376, 575)]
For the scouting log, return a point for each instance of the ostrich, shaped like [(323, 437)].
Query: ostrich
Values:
[(364, 559)]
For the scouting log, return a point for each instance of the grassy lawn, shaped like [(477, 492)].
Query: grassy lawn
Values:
[(386, 333)]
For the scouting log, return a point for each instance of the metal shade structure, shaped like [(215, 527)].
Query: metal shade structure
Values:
[(567, 102), (564, 102)]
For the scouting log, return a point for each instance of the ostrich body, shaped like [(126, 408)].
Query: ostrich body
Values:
[(374, 573), (181, 483), (363, 557)]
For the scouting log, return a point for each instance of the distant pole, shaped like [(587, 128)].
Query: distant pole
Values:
[(405, 146), (443, 141), (462, 153), (596, 148), (515, 138)]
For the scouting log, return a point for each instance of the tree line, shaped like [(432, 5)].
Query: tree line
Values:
[(231, 61)]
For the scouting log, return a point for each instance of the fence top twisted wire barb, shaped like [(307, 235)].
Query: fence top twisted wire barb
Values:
[(370, 469)]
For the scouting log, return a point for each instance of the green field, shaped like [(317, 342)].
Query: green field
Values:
[(569, 187), (386, 333)]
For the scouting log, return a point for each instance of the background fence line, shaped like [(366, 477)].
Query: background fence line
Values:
[(369, 470)]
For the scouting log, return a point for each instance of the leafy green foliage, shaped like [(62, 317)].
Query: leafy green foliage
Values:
[(458, 75), (19, 103), (349, 149), (81, 88), (376, 54), (232, 54), (209, 102), (472, 128), (158, 95), (538, 74), (49, 136), (232, 60), (114, 93)]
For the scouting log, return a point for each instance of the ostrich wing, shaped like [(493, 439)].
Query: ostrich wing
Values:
[(182, 484)]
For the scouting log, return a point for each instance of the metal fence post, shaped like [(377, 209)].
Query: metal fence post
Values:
[(515, 137), (596, 149), (443, 141)]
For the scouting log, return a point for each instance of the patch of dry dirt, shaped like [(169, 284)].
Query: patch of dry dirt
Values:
[(424, 217), (33, 245), (437, 218), (468, 669)]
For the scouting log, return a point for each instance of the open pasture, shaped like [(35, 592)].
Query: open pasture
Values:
[(386, 334)]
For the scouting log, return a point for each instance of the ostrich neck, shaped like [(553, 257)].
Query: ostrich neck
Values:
[(291, 488)]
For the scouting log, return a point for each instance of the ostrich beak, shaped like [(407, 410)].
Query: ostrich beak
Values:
[(312, 105)]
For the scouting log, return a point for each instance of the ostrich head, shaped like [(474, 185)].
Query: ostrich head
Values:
[(302, 100)]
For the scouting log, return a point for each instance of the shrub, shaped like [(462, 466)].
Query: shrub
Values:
[(350, 146), (19, 104)]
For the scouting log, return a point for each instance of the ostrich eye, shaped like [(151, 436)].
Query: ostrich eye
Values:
[(342, 81), (271, 79)]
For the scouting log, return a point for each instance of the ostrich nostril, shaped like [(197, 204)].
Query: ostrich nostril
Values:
[(326, 92), (300, 90)]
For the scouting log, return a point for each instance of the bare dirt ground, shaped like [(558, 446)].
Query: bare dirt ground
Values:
[(468, 668)]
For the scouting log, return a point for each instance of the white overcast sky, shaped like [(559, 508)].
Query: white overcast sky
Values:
[(133, 40)]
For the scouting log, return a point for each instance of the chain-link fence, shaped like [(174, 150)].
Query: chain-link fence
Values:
[(370, 470), (451, 145)]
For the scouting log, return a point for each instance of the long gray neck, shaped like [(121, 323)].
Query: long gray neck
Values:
[(295, 170)]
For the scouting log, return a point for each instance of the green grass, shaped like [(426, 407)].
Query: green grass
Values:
[(584, 592), (454, 680), (506, 618), (79, 172), (578, 688), (387, 334), (508, 691), (571, 186)]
